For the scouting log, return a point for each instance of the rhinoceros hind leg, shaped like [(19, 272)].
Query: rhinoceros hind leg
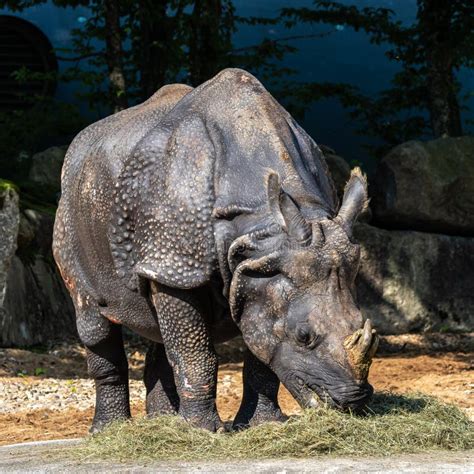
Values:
[(162, 396), (107, 365), (260, 398)]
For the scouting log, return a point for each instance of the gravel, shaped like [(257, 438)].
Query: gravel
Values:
[(20, 394), (53, 394)]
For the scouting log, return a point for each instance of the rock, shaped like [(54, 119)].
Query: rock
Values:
[(414, 281), (9, 222), (37, 306), (26, 231), (338, 167), (46, 167), (427, 186)]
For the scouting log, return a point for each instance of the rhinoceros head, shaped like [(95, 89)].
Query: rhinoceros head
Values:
[(293, 296)]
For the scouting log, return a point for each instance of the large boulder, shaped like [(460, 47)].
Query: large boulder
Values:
[(415, 281), (9, 223), (427, 186), (46, 167), (37, 308)]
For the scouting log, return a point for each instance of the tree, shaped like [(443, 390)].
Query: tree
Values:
[(127, 49), (430, 52), (167, 41), (211, 25), (114, 54), (178, 40), (105, 24), (442, 32), (153, 28)]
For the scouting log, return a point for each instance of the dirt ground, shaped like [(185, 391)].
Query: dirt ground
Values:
[(438, 365)]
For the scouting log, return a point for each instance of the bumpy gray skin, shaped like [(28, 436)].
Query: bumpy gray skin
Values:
[(196, 215)]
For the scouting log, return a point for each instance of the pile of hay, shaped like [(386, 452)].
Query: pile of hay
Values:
[(393, 424)]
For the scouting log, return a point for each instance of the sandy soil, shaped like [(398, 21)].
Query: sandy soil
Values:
[(418, 368)]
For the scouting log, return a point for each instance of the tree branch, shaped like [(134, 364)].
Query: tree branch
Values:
[(79, 58), (285, 38)]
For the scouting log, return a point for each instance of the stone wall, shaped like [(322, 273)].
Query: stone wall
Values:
[(417, 268), (9, 224), (427, 186), (415, 281), (35, 307)]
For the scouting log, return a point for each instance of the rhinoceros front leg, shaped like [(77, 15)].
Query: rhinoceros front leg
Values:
[(162, 396), (191, 354), (107, 365), (260, 398)]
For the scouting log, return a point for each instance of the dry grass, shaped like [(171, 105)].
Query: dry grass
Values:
[(393, 424)]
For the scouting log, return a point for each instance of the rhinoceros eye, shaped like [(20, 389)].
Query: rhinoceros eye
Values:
[(305, 336)]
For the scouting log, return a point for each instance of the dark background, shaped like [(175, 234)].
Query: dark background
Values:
[(364, 78), (344, 54)]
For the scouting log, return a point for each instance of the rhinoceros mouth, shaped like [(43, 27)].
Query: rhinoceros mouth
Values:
[(311, 394)]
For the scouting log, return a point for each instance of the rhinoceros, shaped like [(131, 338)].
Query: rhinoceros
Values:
[(199, 215)]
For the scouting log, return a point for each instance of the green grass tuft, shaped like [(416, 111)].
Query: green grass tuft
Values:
[(394, 424)]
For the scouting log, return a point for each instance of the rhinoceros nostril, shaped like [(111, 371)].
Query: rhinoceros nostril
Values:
[(299, 381)]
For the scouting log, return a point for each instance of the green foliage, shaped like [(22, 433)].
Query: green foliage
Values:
[(189, 41), (169, 41), (88, 61), (432, 49), (41, 121), (24, 132), (163, 41), (394, 424)]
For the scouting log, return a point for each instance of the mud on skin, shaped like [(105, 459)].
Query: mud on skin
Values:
[(203, 213)]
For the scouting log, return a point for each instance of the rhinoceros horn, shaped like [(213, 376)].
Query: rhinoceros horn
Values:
[(361, 347)]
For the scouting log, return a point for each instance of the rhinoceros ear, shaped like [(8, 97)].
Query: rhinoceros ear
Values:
[(274, 192), (286, 212), (241, 284), (298, 229), (355, 200), (251, 256)]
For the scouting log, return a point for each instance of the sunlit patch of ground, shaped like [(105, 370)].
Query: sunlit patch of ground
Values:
[(57, 402)]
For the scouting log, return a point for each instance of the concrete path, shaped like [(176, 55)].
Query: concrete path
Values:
[(45, 457)]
